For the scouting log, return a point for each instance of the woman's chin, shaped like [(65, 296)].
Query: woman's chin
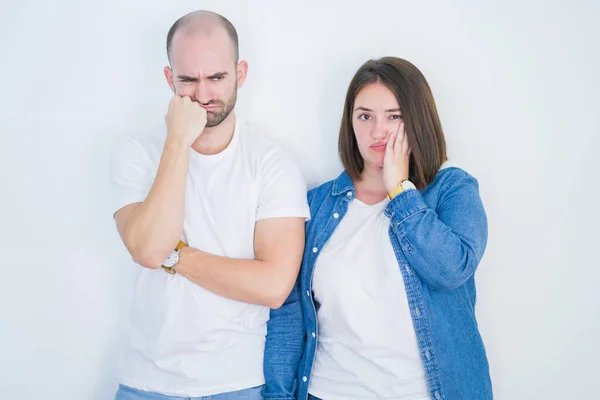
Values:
[(375, 165)]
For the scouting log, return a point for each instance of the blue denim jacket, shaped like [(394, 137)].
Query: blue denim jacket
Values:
[(439, 236), (283, 348)]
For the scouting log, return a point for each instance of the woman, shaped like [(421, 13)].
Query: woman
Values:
[(391, 250)]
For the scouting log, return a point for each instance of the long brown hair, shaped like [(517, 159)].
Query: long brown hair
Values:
[(421, 120)]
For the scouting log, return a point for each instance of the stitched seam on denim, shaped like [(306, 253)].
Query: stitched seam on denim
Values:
[(421, 325)]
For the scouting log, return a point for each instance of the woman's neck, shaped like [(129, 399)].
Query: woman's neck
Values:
[(370, 189)]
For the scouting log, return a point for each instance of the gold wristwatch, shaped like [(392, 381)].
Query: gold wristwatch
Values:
[(173, 259), (402, 186)]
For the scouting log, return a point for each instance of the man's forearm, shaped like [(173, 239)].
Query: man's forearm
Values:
[(249, 281), (154, 228)]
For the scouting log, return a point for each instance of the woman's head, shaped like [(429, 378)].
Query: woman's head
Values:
[(381, 93)]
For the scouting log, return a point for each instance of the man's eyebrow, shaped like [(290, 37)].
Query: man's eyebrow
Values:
[(187, 78), (194, 79), (218, 75)]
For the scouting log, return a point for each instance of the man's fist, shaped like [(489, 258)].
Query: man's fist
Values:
[(185, 119)]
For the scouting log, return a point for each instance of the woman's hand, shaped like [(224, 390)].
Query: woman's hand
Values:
[(396, 159)]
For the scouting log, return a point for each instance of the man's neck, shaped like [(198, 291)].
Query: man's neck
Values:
[(216, 139)]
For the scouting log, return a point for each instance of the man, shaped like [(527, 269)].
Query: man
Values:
[(215, 213)]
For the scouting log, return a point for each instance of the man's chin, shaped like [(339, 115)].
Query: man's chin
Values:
[(212, 120)]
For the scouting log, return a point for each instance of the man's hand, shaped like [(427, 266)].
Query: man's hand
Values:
[(185, 120)]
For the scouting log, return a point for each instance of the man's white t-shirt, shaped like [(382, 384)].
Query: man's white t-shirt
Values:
[(367, 346), (185, 340)]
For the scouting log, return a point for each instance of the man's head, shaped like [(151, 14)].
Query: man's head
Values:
[(202, 48)]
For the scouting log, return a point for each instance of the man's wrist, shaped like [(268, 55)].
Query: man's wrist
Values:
[(174, 258), (176, 144), (184, 257)]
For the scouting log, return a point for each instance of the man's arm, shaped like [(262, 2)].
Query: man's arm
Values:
[(267, 280), (151, 229)]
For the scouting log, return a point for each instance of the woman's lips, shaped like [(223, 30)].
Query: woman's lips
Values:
[(379, 147)]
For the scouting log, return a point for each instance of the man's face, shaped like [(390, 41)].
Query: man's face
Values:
[(204, 68)]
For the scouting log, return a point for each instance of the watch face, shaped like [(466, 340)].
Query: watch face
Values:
[(172, 259), (406, 185)]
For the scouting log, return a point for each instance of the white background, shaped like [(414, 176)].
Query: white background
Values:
[(516, 85)]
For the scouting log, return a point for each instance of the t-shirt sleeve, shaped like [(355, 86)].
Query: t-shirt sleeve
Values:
[(130, 174), (282, 188)]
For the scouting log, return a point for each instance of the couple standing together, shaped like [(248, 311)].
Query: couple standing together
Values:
[(252, 289)]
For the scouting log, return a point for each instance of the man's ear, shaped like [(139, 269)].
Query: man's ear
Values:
[(169, 76), (242, 71)]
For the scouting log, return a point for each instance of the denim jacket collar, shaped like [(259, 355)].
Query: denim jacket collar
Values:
[(342, 184)]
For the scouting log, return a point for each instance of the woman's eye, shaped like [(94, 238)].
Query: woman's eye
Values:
[(396, 116), (364, 117)]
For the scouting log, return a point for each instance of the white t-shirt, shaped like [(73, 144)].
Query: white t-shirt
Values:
[(367, 347), (185, 340)]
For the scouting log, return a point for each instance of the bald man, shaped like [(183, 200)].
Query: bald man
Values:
[(214, 212)]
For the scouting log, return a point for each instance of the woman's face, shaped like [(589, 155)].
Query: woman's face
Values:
[(375, 116)]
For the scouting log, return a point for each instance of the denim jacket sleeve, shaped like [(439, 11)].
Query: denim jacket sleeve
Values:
[(443, 246), (283, 348)]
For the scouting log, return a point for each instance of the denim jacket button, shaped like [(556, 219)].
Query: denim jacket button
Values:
[(349, 194), (336, 215), (304, 379), (315, 249), (308, 293), (437, 395), (314, 335)]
